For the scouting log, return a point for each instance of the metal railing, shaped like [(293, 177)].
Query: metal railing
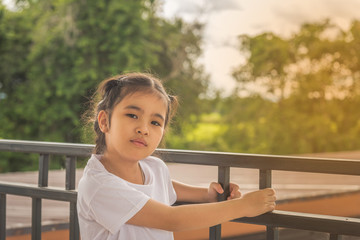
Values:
[(335, 226)]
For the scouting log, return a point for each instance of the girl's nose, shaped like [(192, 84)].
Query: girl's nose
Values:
[(142, 131)]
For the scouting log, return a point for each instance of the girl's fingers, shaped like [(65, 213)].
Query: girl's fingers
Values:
[(235, 194), (270, 191), (234, 191), (234, 187), (217, 187)]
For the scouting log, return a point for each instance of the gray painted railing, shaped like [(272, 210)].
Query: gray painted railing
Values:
[(335, 226)]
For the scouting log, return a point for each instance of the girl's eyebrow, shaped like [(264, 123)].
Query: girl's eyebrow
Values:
[(141, 110)]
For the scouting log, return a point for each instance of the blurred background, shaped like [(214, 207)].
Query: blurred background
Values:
[(265, 77)]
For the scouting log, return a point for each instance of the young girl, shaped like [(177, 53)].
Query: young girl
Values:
[(125, 193)]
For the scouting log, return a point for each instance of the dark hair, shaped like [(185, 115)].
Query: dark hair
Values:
[(112, 90)]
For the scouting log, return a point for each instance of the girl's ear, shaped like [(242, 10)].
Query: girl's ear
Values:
[(103, 121)]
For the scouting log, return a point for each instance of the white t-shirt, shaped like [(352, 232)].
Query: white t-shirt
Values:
[(106, 202)]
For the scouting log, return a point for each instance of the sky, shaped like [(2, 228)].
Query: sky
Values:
[(225, 20)]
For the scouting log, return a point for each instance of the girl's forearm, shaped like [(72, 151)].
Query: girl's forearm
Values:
[(188, 217), (188, 193)]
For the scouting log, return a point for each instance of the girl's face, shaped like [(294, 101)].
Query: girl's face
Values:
[(137, 126)]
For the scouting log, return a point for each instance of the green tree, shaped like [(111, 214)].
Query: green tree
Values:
[(54, 53), (313, 80), (14, 48)]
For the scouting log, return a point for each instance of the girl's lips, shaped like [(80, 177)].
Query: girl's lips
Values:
[(139, 142)]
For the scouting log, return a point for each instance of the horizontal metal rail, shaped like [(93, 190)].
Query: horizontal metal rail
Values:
[(52, 148), (32, 190), (336, 226), (265, 162), (307, 221), (239, 160)]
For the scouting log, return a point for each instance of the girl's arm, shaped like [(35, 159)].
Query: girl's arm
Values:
[(188, 217), (188, 193)]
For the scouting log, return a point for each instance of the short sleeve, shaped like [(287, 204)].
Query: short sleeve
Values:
[(163, 183), (115, 203)]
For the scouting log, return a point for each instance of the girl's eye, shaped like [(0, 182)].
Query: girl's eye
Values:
[(156, 123), (131, 116)]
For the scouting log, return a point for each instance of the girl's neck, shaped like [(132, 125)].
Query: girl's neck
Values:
[(127, 170)]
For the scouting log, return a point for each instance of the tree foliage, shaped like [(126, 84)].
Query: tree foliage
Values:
[(54, 53), (312, 80), (307, 96)]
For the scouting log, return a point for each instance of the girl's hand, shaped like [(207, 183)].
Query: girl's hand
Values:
[(259, 202), (234, 191), (215, 189)]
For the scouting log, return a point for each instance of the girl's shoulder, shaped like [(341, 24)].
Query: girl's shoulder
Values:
[(95, 173)]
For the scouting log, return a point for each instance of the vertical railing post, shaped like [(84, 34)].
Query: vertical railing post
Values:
[(36, 219), (2, 216), (43, 170), (36, 202), (272, 233), (335, 237), (224, 180), (70, 185), (265, 181)]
